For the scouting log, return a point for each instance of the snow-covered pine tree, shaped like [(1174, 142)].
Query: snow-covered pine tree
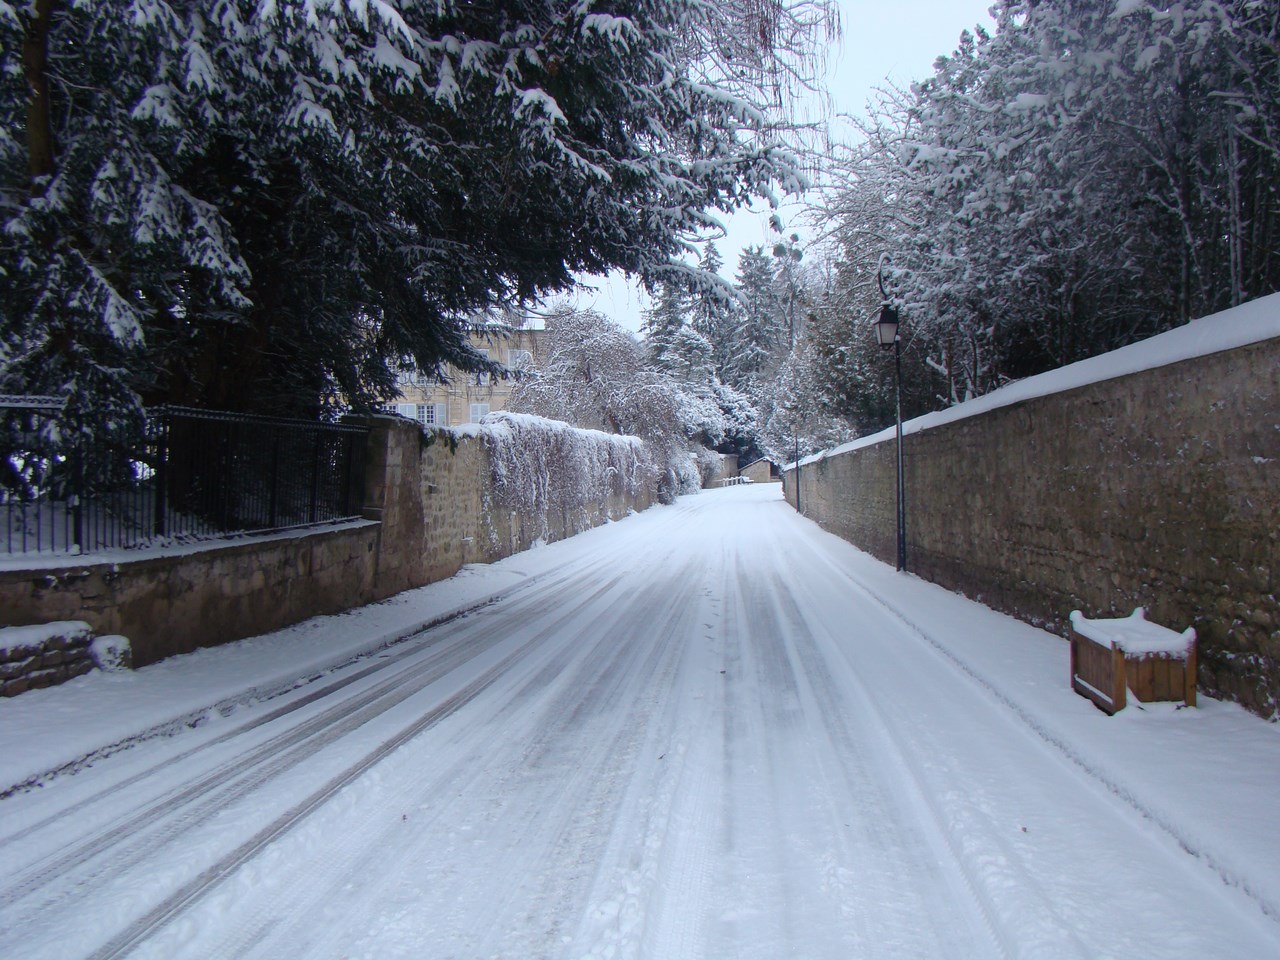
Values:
[(759, 337), (713, 308), (274, 206), (663, 322)]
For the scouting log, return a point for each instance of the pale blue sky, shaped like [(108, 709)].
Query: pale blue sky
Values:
[(883, 41)]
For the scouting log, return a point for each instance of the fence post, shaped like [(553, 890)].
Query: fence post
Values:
[(77, 486), (275, 477), (161, 518), (314, 492), (355, 446)]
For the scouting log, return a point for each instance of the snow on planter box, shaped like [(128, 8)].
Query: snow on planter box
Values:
[(1113, 658)]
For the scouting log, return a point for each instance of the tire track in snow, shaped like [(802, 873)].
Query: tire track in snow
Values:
[(420, 636), (596, 563), (136, 837), (891, 756), (634, 821), (136, 834), (1032, 886), (564, 792), (199, 886), (673, 516), (866, 889), (382, 854), (689, 844), (597, 566), (386, 657)]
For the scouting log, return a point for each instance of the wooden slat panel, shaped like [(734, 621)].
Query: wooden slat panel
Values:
[(1119, 697), (1108, 671), (1160, 679), (1143, 678), (1177, 679), (1092, 665)]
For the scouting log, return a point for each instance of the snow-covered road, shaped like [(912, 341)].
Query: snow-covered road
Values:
[(703, 732)]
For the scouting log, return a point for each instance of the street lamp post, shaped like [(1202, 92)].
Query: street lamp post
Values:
[(887, 332)]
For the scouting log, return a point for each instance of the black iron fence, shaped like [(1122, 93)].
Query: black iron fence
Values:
[(179, 475)]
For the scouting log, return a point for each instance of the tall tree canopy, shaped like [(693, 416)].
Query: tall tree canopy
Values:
[(1087, 175), (271, 205)]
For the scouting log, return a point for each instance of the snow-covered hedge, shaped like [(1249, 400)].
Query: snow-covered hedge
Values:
[(540, 467)]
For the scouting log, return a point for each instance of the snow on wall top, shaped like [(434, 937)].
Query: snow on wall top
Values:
[(1240, 326), (29, 637), (1135, 634), (504, 423)]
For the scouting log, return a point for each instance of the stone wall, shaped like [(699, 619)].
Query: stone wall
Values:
[(728, 468), (1159, 489), (434, 493), (759, 471), (34, 657), (175, 602), (427, 496)]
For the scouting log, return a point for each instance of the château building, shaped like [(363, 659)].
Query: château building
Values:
[(467, 397)]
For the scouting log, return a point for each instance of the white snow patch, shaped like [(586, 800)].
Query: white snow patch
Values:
[(712, 730), (1135, 634), (36, 635), (111, 652)]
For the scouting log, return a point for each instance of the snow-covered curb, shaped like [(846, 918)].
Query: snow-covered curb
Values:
[(183, 691)]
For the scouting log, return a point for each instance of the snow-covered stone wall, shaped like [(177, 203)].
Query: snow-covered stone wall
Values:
[(728, 467), (441, 500), (168, 601), (1156, 488), (43, 655), (477, 494)]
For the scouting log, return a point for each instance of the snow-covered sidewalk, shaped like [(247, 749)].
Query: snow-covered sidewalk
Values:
[(722, 687)]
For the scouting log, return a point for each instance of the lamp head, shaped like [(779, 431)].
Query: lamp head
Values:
[(887, 325)]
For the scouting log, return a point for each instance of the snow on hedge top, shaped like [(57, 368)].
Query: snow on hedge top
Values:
[(504, 424), (1135, 634), (1240, 326), (542, 468)]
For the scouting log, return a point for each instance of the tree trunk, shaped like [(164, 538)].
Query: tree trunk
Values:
[(35, 62)]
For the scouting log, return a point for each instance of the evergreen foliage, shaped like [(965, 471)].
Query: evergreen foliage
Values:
[(274, 206)]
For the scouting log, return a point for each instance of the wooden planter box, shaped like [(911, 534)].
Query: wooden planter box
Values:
[(1111, 658)]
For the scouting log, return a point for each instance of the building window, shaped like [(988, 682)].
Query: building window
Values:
[(478, 411), (431, 414), (412, 378), (519, 359), (482, 379), (427, 414)]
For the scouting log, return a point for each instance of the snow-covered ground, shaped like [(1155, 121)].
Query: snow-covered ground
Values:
[(707, 731)]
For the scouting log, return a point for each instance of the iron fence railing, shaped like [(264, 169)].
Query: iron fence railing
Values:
[(180, 475)]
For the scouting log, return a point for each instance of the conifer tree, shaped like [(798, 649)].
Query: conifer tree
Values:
[(274, 206)]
